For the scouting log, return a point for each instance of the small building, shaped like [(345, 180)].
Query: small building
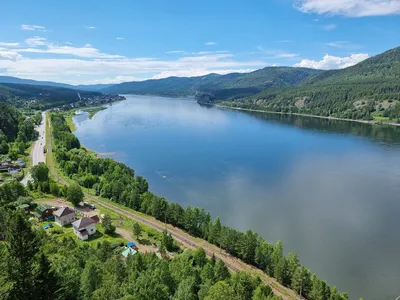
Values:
[(132, 245), (44, 213), (64, 216), (84, 227), (95, 218), (24, 207), (20, 163), (128, 251)]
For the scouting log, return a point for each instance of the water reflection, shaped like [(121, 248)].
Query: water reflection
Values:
[(329, 189)]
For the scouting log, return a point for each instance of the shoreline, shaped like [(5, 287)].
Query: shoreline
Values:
[(312, 116)]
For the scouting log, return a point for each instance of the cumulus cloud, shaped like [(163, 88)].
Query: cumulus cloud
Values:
[(87, 64), (90, 27), (210, 43), (33, 27), (350, 8), (333, 62), (41, 45), (120, 38), (9, 55)]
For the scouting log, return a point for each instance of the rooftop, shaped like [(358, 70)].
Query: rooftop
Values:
[(64, 211), (81, 223)]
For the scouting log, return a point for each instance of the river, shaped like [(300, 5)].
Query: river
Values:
[(330, 190)]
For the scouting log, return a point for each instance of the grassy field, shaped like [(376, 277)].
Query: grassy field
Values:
[(378, 116), (94, 110)]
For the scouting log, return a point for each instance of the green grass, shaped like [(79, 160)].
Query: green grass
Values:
[(94, 110), (378, 116), (69, 120)]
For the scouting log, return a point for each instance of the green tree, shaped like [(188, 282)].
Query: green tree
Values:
[(74, 194), (40, 173), (90, 279), (167, 241), (4, 147), (221, 271), (262, 292), (13, 154), (301, 281), (221, 291), (54, 189), (22, 247), (46, 281), (137, 230), (109, 228), (186, 290)]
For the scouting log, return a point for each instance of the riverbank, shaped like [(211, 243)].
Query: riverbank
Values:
[(312, 116)]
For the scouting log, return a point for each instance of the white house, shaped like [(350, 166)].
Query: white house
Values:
[(84, 227), (64, 216)]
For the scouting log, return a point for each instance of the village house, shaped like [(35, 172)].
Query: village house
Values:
[(64, 216), (84, 227), (44, 213)]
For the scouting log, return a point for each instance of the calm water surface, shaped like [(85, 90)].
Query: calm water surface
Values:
[(329, 190)]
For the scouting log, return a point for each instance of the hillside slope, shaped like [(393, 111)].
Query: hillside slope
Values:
[(89, 87), (40, 97), (368, 90), (230, 85)]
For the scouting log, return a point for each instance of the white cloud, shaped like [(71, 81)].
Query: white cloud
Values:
[(342, 45), (4, 44), (90, 27), (198, 72), (9, 55), (33, 27), (276, 53), (35, 41), (175, 52), (41, 45), (329, 27), (350, 8), (120, 38), (333, 62), (63, 63), (210, 43)]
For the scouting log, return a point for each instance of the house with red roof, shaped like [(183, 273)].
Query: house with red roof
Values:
[(84, 227)]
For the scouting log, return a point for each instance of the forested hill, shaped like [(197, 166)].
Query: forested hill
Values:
[(40, 97), (369, 90), (233, 84), (88, 87)]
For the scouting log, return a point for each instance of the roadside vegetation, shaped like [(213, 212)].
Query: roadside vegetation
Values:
[(17, 131), (118, 183)]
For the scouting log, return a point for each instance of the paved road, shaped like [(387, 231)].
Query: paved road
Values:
[(37, 153)]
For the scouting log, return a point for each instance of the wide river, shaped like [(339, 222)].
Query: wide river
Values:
[(330, 190)]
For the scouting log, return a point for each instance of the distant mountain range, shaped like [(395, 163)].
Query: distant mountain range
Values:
[(47, 96), (15, 80), (369, 90), (230, 85)]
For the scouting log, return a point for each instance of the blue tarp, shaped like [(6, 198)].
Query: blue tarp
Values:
[(131, 244)]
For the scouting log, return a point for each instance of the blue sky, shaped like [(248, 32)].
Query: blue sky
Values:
[(85, 42)]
